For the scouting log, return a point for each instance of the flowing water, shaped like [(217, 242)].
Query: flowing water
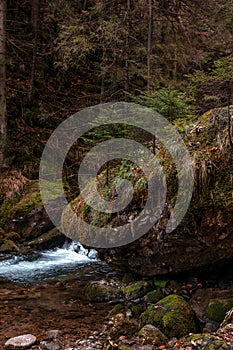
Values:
[(57, 263)]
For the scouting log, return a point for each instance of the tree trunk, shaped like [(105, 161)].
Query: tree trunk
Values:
[(127, 47), (149, 45), (229, 89), (34, 19), (3, 121)]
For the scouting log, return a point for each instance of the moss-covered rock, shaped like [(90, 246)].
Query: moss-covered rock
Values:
[(103, 291), (205, 235), (172, 315), (216, 311), (136, 290), (154, 296), (119, 308), (10, 247), (53, 238), (137, 310), (23, 218), (150, 335), (202, 341), (122, 326)]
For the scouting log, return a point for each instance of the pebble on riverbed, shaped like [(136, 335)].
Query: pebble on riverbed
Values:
[(21, 342)]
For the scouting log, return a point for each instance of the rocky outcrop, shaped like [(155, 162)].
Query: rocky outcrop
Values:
[(205, 236), (24, 223)]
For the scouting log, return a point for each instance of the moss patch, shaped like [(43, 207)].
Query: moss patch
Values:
[(119, 308), (217, 311), (154, 296), (204, 341), (172, 315), (97, 291), (136, 290)]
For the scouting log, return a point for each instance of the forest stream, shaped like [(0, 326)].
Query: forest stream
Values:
[(44, 294)]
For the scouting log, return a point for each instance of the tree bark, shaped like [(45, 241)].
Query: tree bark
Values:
[(127, 47), (3, 120), (34, 19), (149, 45), (229, 89)]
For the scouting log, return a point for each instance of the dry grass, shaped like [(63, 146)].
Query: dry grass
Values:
[(11, 183)]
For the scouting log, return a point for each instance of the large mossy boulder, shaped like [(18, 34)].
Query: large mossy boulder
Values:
[(205, 235), (24, 223), (172, 315)]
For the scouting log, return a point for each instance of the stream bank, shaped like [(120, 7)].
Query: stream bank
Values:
[(98, 310)]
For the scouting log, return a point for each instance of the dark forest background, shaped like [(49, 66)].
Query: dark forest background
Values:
[(57, 57)]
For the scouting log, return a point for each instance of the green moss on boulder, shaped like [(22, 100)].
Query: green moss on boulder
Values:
[(137, 310), (119, 308), (136, 290), (216, 311), (10, 247), (204, 341), (154, 296), (172, 315), (102, 291)]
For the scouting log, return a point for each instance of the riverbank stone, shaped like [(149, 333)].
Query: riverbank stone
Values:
[(123, 326), (103, 291), (151, 335), (136, 290), (172, 315), (24, 341)]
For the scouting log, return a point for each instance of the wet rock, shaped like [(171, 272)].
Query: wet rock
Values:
[(21, 342), (52, 346), (150, 335), (103, 291), (202, 341), (10, 247), (52, 334), (154, 296), (49, 240), (123, 326), (135, 347), (136, 290), (172, 315)]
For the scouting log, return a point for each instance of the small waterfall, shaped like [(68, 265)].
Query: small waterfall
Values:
[(47, 265)]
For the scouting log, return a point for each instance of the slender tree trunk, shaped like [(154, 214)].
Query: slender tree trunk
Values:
[(3, 120), (229, 114), (103, 75), (149, 44), (127, 47), (35, 20)]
